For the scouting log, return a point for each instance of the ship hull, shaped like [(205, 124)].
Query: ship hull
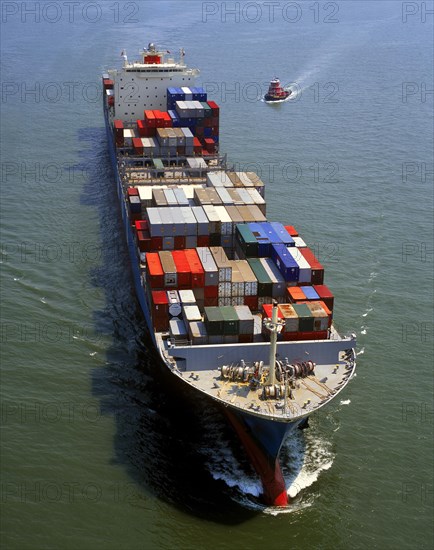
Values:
[(262, 440)]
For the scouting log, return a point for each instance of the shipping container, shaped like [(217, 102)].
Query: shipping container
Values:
[(169, 269), (209, 266), (246, 319), (291, 317), (286, 264), (182, 269), (178, 330), (213, 320), (155, 270), (325, 295), (264, 280), (196, 268), (198, 333), (305, 318), (159, 307)]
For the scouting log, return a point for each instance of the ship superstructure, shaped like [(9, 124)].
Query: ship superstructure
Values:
[(235, 304)]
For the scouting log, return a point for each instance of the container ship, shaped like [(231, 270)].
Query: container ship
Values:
[(236, 304)]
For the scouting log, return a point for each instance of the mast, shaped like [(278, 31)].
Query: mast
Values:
[(274, 326)]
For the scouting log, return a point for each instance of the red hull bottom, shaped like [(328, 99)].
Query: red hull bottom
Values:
[(274, 489)]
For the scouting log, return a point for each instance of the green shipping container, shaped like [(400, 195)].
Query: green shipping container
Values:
[(214, 321), (305, 318), (265, 284), (247, 240), (231, 322)]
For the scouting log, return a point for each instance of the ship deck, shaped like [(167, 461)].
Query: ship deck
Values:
[(310, 393), (307, 394)]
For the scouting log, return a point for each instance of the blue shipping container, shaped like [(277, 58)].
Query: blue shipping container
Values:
[(282, 233), (285, 262)]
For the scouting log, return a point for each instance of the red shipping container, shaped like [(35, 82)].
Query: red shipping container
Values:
[(144, 241), (144, 129), (317, 269), (210, 302), (179, 242), (291, 230), (167, 121), (296, 294), (150, 119), (156, 243), (159, 120), (251, 302), (214, 108), (197, 146), (267, 311), (160, 304), (209, 145), (138, 146), (111, 101), (211, 291), (215, 121), (182, 269), (132, 191), (197, 272), (135, 217), (155, 270), (325, 295), (108, 84), (199, 131), (202, 240), (141, 225), (118, 125)]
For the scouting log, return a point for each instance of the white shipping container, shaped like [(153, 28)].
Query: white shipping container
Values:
[(188, 138), (225, 219), (191, 313), (155, 223), (299, 243), (179, 228), (177, 328), (213, 218), (198, 333), (209, 265), (145, 194), (305, 271), (170, 197), (201, 219), (187, 297), (225, 290)]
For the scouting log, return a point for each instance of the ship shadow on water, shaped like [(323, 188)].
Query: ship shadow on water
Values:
[(162, 429)]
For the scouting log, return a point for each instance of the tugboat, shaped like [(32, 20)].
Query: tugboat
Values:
[(276, 93)]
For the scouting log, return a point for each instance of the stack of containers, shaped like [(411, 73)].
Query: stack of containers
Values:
[(160, 310), (188, 107), (211, 276), (302, 321), (229, 324), (108, 86), (118, 127), (286, 264)]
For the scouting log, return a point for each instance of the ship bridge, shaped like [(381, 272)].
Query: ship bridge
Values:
[(145, 82)]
